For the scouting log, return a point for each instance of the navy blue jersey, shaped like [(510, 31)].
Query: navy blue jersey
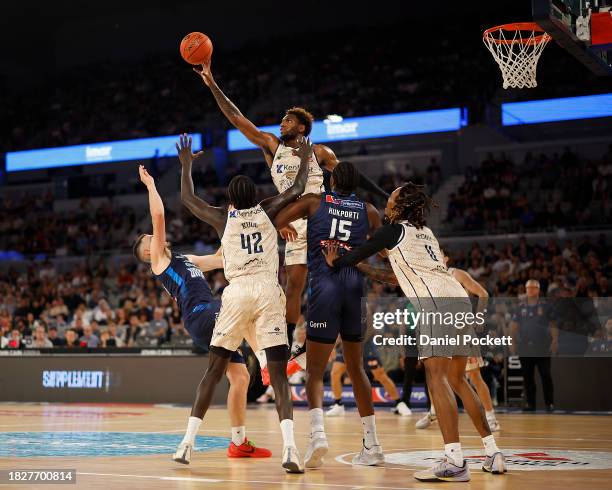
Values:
[(186, 284), (340, 218)]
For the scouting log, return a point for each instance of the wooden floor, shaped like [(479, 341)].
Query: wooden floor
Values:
[(550, 451)]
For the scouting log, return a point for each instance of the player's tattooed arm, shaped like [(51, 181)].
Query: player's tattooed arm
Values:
[(214, 216), (273, 205), (268, 142), (385, 275)]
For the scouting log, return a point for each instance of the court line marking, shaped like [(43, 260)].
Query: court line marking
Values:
[(262, 482)]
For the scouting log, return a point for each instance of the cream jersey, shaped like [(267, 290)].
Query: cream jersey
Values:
[(418, 264), (250, 246), (285, 167)]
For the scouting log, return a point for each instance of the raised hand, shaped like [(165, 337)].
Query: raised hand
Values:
[(186, 157), (305, 149), (145, 177), (205, 72), (330, 252)]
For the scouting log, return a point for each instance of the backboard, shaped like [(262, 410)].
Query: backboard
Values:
[(582, 27)]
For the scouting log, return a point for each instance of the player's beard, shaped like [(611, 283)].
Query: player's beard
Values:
[(287, 136)]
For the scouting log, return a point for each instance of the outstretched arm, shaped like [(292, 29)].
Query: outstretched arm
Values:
[(156, 207), (328, 160), (273, 205), (266, 141), (472, 286), (207, 262), (302, 208), (385, 237), (212, 215), (380, 274)]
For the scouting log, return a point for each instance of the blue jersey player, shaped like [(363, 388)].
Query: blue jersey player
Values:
[(182, 277), (334, 303)]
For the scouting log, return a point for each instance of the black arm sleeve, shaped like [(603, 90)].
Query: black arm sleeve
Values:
[(385, 237), (369, 185)]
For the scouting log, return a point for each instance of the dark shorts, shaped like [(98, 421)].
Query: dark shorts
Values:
[(200, 324), (334, 306)]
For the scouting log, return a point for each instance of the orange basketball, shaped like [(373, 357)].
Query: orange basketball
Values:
[(196, 48)]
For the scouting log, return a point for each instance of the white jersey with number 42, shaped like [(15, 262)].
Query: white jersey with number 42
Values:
[(285, 167), (250, 246), (418, 264)]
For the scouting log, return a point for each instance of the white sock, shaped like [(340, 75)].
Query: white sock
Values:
[(287, 431), (489, 445), (454, 452), (490, 414), (238, 435), (261, 357), (193, 425), (270, 391), (432, 410), (316, 422), (369, 431)]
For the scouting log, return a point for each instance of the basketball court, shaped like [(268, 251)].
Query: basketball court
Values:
[(122, 446)]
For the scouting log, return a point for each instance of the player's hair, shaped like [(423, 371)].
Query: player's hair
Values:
[(346, 177), (412, 204), (242, 192), (303, 116), (136, 246)]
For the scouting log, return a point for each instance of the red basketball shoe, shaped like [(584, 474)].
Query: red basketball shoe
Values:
[(247, 450)]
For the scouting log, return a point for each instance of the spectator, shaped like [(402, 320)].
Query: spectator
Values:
[(89, 339), (15, 341), (133, 331), (71, 339), (54, 338), (40, 340)]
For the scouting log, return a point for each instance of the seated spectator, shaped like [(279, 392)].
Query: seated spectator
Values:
[(89, 339), (158, 326), (15, 341), (133, 331), (115, 334), (53, 337), (72, 339), (40, 340)]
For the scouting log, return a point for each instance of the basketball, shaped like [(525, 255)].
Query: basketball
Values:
[(196, 48)]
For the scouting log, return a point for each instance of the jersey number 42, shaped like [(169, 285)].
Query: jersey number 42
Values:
[(254, 246)]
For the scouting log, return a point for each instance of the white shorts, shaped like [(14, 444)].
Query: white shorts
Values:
[(251, 309), (296, 251)]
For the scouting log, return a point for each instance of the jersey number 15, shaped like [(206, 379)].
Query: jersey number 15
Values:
[(255, 246), (340, 229)]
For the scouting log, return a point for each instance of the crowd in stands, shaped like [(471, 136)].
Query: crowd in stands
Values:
[(343, 73), (98, 305), (541, 192), (30, 225)]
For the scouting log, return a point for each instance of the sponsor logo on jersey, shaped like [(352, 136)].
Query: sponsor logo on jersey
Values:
[(347, 203), (523, 459), (233, 214), (312, 324), (279, 168)]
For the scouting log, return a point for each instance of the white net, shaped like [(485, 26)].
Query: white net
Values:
[(517, 51)]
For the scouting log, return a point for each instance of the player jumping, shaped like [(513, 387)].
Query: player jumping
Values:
[(181, 276), (334, 304), (253, 305), (417, 266), (280, 155)]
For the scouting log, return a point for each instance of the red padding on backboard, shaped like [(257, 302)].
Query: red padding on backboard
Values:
[(601, 28)]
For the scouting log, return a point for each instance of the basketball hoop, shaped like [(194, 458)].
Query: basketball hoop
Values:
[(517, 49)]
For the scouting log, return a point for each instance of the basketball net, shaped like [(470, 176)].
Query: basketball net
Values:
[(517, 49)]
